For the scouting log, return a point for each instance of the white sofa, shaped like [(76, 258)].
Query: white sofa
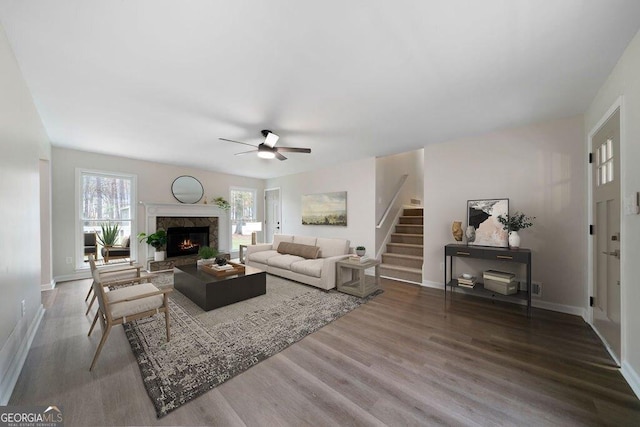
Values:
[(318, 269)]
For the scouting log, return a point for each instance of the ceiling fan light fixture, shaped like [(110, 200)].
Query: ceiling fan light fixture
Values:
[(266, 154), (271, 139)]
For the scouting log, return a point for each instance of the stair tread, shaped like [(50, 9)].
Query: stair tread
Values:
[(401, 268), (406, 234), (406, 245), (405, 256)]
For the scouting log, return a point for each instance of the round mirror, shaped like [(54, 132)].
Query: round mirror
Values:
[(187, 189)]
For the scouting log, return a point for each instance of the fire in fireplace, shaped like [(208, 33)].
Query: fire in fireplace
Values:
[(186, 240)]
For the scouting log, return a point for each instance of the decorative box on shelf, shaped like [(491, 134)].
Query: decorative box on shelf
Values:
[(211, 269)]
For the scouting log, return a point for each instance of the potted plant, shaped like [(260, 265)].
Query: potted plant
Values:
[(207, 254), (222, 203), (157, 240), (513, 224), (361, 250), (109, 234)]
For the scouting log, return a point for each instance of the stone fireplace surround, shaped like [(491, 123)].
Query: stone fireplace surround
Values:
[(168, 213)]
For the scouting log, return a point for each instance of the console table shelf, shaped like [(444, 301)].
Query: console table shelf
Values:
[(488, 253)]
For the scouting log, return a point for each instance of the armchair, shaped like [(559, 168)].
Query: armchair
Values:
[(126, 304), (90, 244), (108, 275)]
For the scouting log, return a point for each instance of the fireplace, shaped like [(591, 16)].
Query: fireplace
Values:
[(186, 240)]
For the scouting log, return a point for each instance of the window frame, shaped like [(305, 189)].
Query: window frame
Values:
[(235, 253), (79, 220)]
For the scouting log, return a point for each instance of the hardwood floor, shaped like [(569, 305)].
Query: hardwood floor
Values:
[(401, 359)]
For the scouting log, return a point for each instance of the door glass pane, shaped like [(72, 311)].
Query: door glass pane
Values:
[(609, 149)]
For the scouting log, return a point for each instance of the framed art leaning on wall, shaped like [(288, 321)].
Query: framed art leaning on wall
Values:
[(483, 227)]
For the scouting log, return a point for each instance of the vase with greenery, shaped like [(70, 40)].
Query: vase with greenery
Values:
[(513, 224), (222, 203), (109, 235), (157, 240), (361, 250), (207, 254)]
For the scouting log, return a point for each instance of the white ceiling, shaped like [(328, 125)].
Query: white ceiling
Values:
[(162, 80)]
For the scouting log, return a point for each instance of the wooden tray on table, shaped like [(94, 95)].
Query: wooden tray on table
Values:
[(237, 269)]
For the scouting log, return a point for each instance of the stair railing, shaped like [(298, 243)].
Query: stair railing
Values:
[(403, 179)]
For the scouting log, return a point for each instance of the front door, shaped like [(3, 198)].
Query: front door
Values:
[(606, 245), (272, 214)]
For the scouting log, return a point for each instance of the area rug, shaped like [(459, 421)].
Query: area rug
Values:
[(208, 348)]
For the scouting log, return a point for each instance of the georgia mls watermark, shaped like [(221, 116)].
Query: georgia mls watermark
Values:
[(31, 416)]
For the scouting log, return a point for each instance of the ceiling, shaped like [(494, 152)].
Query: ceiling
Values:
[(162, 80)]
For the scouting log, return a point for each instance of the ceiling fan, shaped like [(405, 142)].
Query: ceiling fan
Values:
[(268, 149)]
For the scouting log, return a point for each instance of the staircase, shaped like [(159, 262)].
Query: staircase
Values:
[(404, 256)]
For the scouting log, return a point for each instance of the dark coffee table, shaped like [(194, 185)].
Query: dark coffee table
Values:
[(209, 291)]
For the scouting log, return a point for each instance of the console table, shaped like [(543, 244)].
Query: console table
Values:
[(522, 256)]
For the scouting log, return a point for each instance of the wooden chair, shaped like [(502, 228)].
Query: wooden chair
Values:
[(110, 274), (126, 304)]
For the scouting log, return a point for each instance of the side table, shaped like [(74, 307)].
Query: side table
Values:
[(359, 286)]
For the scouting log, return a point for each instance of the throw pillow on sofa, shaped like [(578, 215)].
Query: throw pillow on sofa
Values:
[(304, 251)]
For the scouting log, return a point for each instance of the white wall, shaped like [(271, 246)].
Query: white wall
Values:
[(389, 170), (357, 178), (625, 81), (154, 185), (541, 170), (23, 142)]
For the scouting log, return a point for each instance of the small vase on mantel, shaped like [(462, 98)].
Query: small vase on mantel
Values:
[(514, 240), (456, 230)]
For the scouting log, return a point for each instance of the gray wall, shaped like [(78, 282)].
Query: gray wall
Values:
[(357, 178), (23, 142), (624, 81), (541, 170)]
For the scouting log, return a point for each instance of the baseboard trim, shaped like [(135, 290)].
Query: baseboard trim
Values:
[(632, 377), (399, 280), (48, 286), (76, 276), (561, 308), (430, 284), (13, 372)]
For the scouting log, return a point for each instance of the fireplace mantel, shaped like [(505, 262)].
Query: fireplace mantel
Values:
[(153, 210)]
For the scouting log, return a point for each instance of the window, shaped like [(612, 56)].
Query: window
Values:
[(604, 162), (243, 216), (105, 199)]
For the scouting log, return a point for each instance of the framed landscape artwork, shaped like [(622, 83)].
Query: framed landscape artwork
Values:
[(325, 209), (483, 228)]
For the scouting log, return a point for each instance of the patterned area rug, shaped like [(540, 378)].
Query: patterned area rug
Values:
[(208, 348)]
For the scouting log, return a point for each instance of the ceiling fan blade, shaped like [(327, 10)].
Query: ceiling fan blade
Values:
[(280, 156), (237, 142), (293, 150), (246, 152)]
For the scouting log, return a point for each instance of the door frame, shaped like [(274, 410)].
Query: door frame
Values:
[(618, 104), (266, 212)]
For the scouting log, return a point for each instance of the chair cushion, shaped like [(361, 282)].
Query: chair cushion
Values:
[(332, 247), (284, 261), (308, 267), (128, 308), (262, 256), (305, 251)]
